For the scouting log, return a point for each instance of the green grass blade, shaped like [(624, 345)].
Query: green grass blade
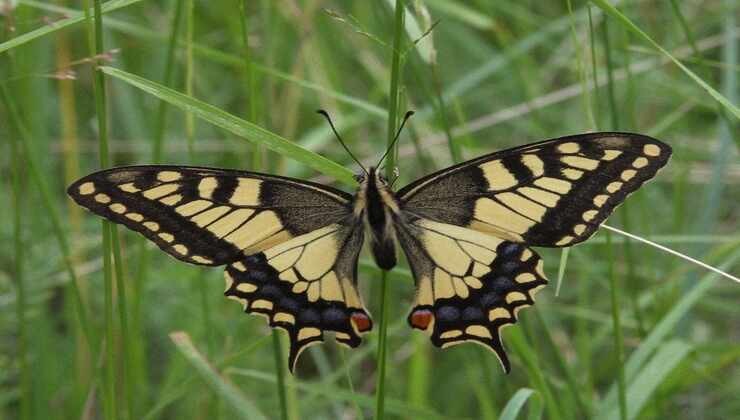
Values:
[(390, 165), (95, 41), (617, 328), (655, 371), (624, 21), (236, 125), (75, 19), (243, 407), (19, 276), (330, 392), (516, 403), (637, 360)]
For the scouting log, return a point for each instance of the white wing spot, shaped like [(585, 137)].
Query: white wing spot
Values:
[(579, 229), (86, 188), (614, 187), (129, 187), (167, 237), (589, 215), (168, 176), (153, 226), (611, 154), (628, 174), (117, 208), (136, 217), (565, 240), (600, 199), (640, 162), (651, 150), (569, 148)]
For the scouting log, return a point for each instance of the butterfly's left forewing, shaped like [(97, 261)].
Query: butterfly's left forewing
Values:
[(469, 284)]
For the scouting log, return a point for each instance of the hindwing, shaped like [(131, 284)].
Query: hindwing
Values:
[(469, 284), (553, 193), (209, 216), (305, 286)]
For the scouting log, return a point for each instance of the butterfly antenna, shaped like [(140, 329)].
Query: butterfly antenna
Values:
[(393, 143), (326, 115)]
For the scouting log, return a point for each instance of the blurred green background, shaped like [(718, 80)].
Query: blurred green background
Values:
[(635, 332)]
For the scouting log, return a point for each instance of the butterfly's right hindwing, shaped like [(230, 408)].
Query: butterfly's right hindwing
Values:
[(209, 216), (469, 284)]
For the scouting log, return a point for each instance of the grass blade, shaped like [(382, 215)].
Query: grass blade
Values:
[(616, 14), (236, 125), (62, 24), (666, 326), (390, 165), (242, 406), (515, 404), (668, 356)]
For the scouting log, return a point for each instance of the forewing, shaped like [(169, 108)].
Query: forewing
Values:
[(209, 216), (305, 286), (469, 284), (554, 193)]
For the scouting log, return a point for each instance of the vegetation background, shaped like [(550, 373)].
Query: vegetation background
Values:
[(101, 325)]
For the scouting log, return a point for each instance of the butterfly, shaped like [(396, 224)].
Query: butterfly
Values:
[(291, 247)]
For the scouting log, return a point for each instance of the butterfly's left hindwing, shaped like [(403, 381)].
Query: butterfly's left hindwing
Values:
[(305, 286), (553, 193), (469, 284)]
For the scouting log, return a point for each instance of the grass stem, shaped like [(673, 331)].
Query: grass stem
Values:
[(398, 31)]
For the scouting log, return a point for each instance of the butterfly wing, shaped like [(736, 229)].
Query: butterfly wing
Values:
[(305, 286), (469, 284), (209, 216), (291, 246), (553, 193)]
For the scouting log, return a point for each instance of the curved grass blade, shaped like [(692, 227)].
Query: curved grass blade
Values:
[(668, 356), (242, 406), (516, 403), (624, 21), (78, 17), (236, 125)]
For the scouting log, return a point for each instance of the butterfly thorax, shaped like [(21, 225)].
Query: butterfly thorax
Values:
[(377, 205)]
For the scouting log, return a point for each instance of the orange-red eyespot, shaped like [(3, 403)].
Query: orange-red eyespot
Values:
[(361, 321), (421, 318)]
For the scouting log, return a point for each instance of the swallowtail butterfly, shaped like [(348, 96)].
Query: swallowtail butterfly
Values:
[(291, 247)]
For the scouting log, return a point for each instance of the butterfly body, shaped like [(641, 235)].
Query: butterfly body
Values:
[(381, 212), (291, 247)]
